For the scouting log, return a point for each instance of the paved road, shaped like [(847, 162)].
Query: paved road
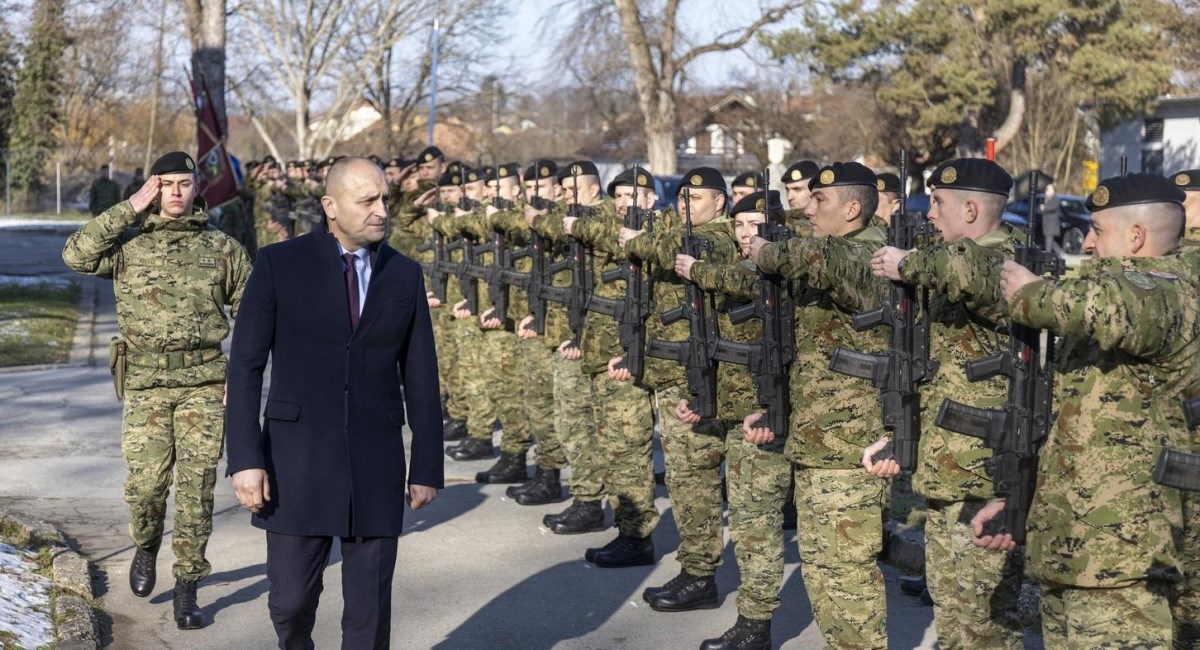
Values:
[(475, 571)]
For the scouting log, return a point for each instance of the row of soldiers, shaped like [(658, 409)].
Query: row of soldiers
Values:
[(546, 274)]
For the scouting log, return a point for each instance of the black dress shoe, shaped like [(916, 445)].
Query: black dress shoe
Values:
[(187, 613), (912, 585), (579, 517), (546, 487), (622, 552), (746, 634), (684, 593), (143, 570), (472, 449), (509, 469)]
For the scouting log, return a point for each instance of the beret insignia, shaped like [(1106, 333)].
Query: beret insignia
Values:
[(1182, 179), (827, 177), (796, 175), (1100, 196), (696, 180), (428, 157), (643, 181), (879, 185), (473, 177), (544, 171), (750, 182), (760, 205), (454, 179), (576, 170), (502, 172), (949, 175)]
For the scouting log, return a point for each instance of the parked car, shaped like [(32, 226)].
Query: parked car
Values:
[(1075, 224), (667, 188)]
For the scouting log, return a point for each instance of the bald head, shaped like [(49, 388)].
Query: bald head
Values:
[(355, 191), (342, 171)]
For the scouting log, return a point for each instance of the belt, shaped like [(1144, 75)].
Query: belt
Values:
[(173, 360)]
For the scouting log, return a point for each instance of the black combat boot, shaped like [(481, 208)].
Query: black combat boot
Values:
[(683, 593), (746, 634), (912, 585), (622, 552), (453, 430), (579, 517), (143, 569), (187, 613), (546, 487), (472, 449), (509, 469), (789, 515)]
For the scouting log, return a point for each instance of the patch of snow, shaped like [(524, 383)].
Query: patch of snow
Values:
[(44, 225), (24, 599), (34, 280)]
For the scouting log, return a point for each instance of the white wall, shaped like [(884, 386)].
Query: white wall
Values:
[(1181, 140)]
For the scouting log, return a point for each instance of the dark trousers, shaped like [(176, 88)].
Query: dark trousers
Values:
[(295, 566)]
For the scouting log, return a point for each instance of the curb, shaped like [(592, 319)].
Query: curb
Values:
[(75, 624), (83, 353)]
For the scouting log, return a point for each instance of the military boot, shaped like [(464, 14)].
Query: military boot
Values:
[(472, 449), (546, 487), (789, 515), (509, 469), (453, 430), (622, 552), (912, 585), (187, 613), (683, 593), (746, 634), (579, 517), (143, 569)]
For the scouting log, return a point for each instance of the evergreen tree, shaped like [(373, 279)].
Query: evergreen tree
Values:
[(35, 103), (8, 80)]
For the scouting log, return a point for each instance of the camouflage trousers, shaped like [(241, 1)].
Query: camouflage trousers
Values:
[(757, 479), (537, 374), (974, 591), (840, 534), (1137, 616), (693, 454), (181, 429), (1185, 606), (575, 424), (624, 434), (448, 367), (472, 357), (499, 364)]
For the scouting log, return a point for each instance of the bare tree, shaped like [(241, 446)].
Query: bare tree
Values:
[(206, 27)]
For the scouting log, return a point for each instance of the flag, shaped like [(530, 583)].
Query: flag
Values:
[(218, 180)]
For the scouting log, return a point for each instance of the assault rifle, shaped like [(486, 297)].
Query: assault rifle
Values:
[(502, 259), (439, 269), (538, 277), (898, 372), (574, 297), (1179, 469), (1015, 431), (696, 354)]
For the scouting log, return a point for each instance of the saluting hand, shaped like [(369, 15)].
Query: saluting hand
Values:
[(147, 194)]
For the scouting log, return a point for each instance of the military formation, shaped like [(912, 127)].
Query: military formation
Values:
[(793, 350)]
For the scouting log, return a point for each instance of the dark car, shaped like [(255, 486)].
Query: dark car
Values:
[(667, 188), (1076, 220)]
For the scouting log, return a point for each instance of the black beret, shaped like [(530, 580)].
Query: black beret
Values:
[(972, 175), (801, 171), (579, 168), (489, 173), (644, 179), (754, 203), (310, 164), (176, 162), (705, 177), (1134, 189), (269, 158), (429, 154), (472, 175), (395, 162), (887, 182), (541, 169), (1188, 179), (508, 170), (847, 173), (748, 179), (450, 178), (454, 167)]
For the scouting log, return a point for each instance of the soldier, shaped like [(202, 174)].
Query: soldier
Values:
[(431, 164), (1189, 182), (135, 183), (692, 452), (445, 325), (974, 592), (1100, 533), (795, 185), (888, 185), (1185, 608), (173, 274), (104, 194), (839, 494), (271, 208), (743, 185)]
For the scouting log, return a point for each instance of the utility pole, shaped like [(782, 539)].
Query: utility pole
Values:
[(433, 75)]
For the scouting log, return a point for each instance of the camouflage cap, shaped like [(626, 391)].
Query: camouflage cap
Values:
[(643, 179), (176, 162), (839, 173), (801, 171), (1187, 180), (1134, 189), (971, 175), (887, 182), (430, 154), (704, 177)]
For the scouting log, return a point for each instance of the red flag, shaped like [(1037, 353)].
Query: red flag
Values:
[(218, 182)]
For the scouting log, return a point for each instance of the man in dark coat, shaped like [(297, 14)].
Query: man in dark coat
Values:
[(344, 320), (104, 194)]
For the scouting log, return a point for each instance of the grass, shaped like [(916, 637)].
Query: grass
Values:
[(37, 324)]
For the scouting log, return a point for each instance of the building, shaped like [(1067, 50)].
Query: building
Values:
[(1165, 141)]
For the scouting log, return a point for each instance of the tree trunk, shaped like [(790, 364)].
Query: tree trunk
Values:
[(206, 25), (1016, 108)]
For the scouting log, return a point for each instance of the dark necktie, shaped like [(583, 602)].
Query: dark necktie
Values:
[(352, 287)]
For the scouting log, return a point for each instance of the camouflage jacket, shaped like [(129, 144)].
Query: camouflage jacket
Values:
[(734, 284), (408, 228), (1129, 346), (968, 322), (550, 228), (172, 279), (1191, 237), (834, 417), (598, 232)]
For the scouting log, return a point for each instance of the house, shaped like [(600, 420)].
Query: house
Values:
[(1165, 141), (716, 136)]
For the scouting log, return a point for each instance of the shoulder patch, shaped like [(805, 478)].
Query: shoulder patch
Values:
[(1164, 276), (1140, 280)]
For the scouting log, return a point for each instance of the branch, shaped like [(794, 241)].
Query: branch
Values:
[(769, 17)]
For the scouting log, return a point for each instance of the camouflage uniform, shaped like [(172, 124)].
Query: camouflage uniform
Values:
[(1101, 538), (172, 279), (269, 204), (1185, 608), (445, 338), (692, 453), (408, 228), (833, 419), (974, 591)]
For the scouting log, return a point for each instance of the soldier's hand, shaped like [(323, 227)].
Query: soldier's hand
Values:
[(420, 495), (408, 170), (619, 374), (683, 265), (569, 351), (756, 246), (147, 194), (525, 329), (1013, 276), (488, 320), (460, 310), (490, 209), (426, 198), (568, 223), (531, 212), (685, 414), (252, 489), (225, 394), (885, 263), (886, 468), (433, 301), (1001, 542), (753, 433), (626, 234)]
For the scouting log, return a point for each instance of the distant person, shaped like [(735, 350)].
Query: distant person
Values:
[(1052, 218), (105, 193), (135, 184)]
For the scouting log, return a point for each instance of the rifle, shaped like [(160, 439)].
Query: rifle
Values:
[(696, 354), (502, 259), (770, 359), (1015, 431), (539, 276), (575, 297), (439, 275), (898, 372), (1179, 469)]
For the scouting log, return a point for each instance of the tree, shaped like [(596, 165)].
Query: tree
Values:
[(8, 79), (206, 28), (35, 102)]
